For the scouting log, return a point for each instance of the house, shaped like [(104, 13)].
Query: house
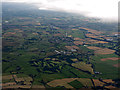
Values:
[(97, 73)]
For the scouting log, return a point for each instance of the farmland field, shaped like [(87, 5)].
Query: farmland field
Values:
[(83, 66), (52, 49)]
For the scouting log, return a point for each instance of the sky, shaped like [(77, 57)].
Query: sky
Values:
[(106, 10)]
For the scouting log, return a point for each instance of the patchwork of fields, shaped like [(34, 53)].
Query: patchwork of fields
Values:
[(45, 49)]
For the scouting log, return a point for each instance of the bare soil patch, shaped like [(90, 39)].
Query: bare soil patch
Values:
[(92, 41), (78, 42), (99, 50), (58, 34), (104, 51), (91, 35), (92, 31), (71, 47), (113, 58), (94, 48), (78, 39), (117, 65), (7, 77), (8, 84)]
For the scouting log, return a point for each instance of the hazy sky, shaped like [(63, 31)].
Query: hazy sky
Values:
[(105, 9)]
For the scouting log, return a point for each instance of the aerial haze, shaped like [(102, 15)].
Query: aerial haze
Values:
[(106, 10)]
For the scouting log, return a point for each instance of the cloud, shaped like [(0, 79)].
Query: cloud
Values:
[(107, 10)]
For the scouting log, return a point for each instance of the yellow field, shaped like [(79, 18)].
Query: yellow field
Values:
[(97, 82), (7, 77), (74, 60), (47, 58), (108, 81), (83, 66), (19, 79), (91, 35), (111, 87), (13, 84), (85, 81), (92, 41), (61, 82), (92, 31)]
